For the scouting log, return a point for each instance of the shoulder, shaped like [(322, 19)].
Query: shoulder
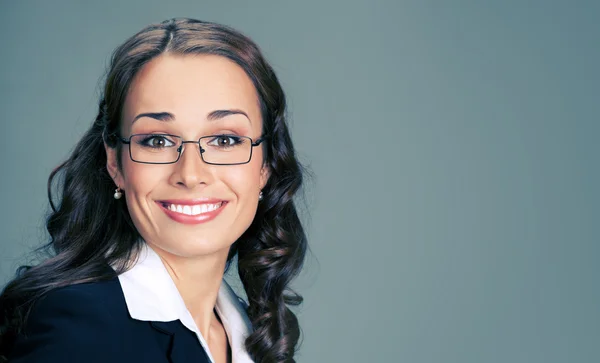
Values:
[(77, 322), (97, 292), (101, 298)]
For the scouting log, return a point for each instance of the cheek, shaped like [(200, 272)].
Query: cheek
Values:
[(141, 178), (244, 180)]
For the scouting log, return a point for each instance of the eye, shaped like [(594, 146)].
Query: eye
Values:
[(225, 141), (155, 141)]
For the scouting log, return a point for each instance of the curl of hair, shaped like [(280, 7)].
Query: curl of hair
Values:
[(82, 244)]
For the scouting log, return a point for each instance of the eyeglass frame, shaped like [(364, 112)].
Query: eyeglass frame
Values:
[(253, 143)]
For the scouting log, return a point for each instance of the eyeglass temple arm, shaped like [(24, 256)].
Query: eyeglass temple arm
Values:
[(259, 140)]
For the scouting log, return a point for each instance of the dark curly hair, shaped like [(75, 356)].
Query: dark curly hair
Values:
[(270, 252)]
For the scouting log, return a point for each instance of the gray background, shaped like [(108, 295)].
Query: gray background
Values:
[(455, 205)]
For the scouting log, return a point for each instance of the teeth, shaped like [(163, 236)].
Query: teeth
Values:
[(195, 209)]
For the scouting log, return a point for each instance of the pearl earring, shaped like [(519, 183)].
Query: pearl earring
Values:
[(118, 194), (260, 196)]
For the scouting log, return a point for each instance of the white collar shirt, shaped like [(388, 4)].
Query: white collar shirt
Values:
[(151, 295)]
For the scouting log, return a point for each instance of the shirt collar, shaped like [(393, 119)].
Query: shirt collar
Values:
[(151, 295)]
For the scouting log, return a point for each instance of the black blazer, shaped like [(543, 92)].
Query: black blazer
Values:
[(90, 323)]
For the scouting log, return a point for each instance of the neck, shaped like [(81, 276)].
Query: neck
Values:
[(198, 280)]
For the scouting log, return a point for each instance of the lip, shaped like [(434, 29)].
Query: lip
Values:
[(188, 219), (191, 201)]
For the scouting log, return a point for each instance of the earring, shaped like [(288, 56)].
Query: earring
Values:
[(118, 194), (260, 196)]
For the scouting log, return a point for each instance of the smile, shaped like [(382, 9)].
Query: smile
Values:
[(192, 211)]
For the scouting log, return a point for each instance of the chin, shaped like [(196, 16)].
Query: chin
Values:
[(194, 247)]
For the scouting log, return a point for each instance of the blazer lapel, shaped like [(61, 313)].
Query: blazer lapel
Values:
[(179, 344)]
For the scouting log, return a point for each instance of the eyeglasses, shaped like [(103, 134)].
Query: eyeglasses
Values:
[(167, 149)]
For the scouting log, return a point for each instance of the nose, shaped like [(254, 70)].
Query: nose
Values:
[(191, 171)]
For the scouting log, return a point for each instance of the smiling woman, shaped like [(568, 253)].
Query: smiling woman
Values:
[(188, 164)]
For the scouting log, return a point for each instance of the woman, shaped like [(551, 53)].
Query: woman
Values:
[(188, 164)]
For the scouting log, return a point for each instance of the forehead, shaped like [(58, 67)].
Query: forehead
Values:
[(190, 87)]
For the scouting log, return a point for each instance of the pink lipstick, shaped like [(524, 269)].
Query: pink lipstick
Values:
[(192, 211)]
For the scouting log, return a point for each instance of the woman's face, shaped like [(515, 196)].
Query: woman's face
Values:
[(173, 205)]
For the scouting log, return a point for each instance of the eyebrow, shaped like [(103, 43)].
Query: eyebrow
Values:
[(212, 116)]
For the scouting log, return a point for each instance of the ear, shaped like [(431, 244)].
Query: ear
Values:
[(265, 173), (113, 166)]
